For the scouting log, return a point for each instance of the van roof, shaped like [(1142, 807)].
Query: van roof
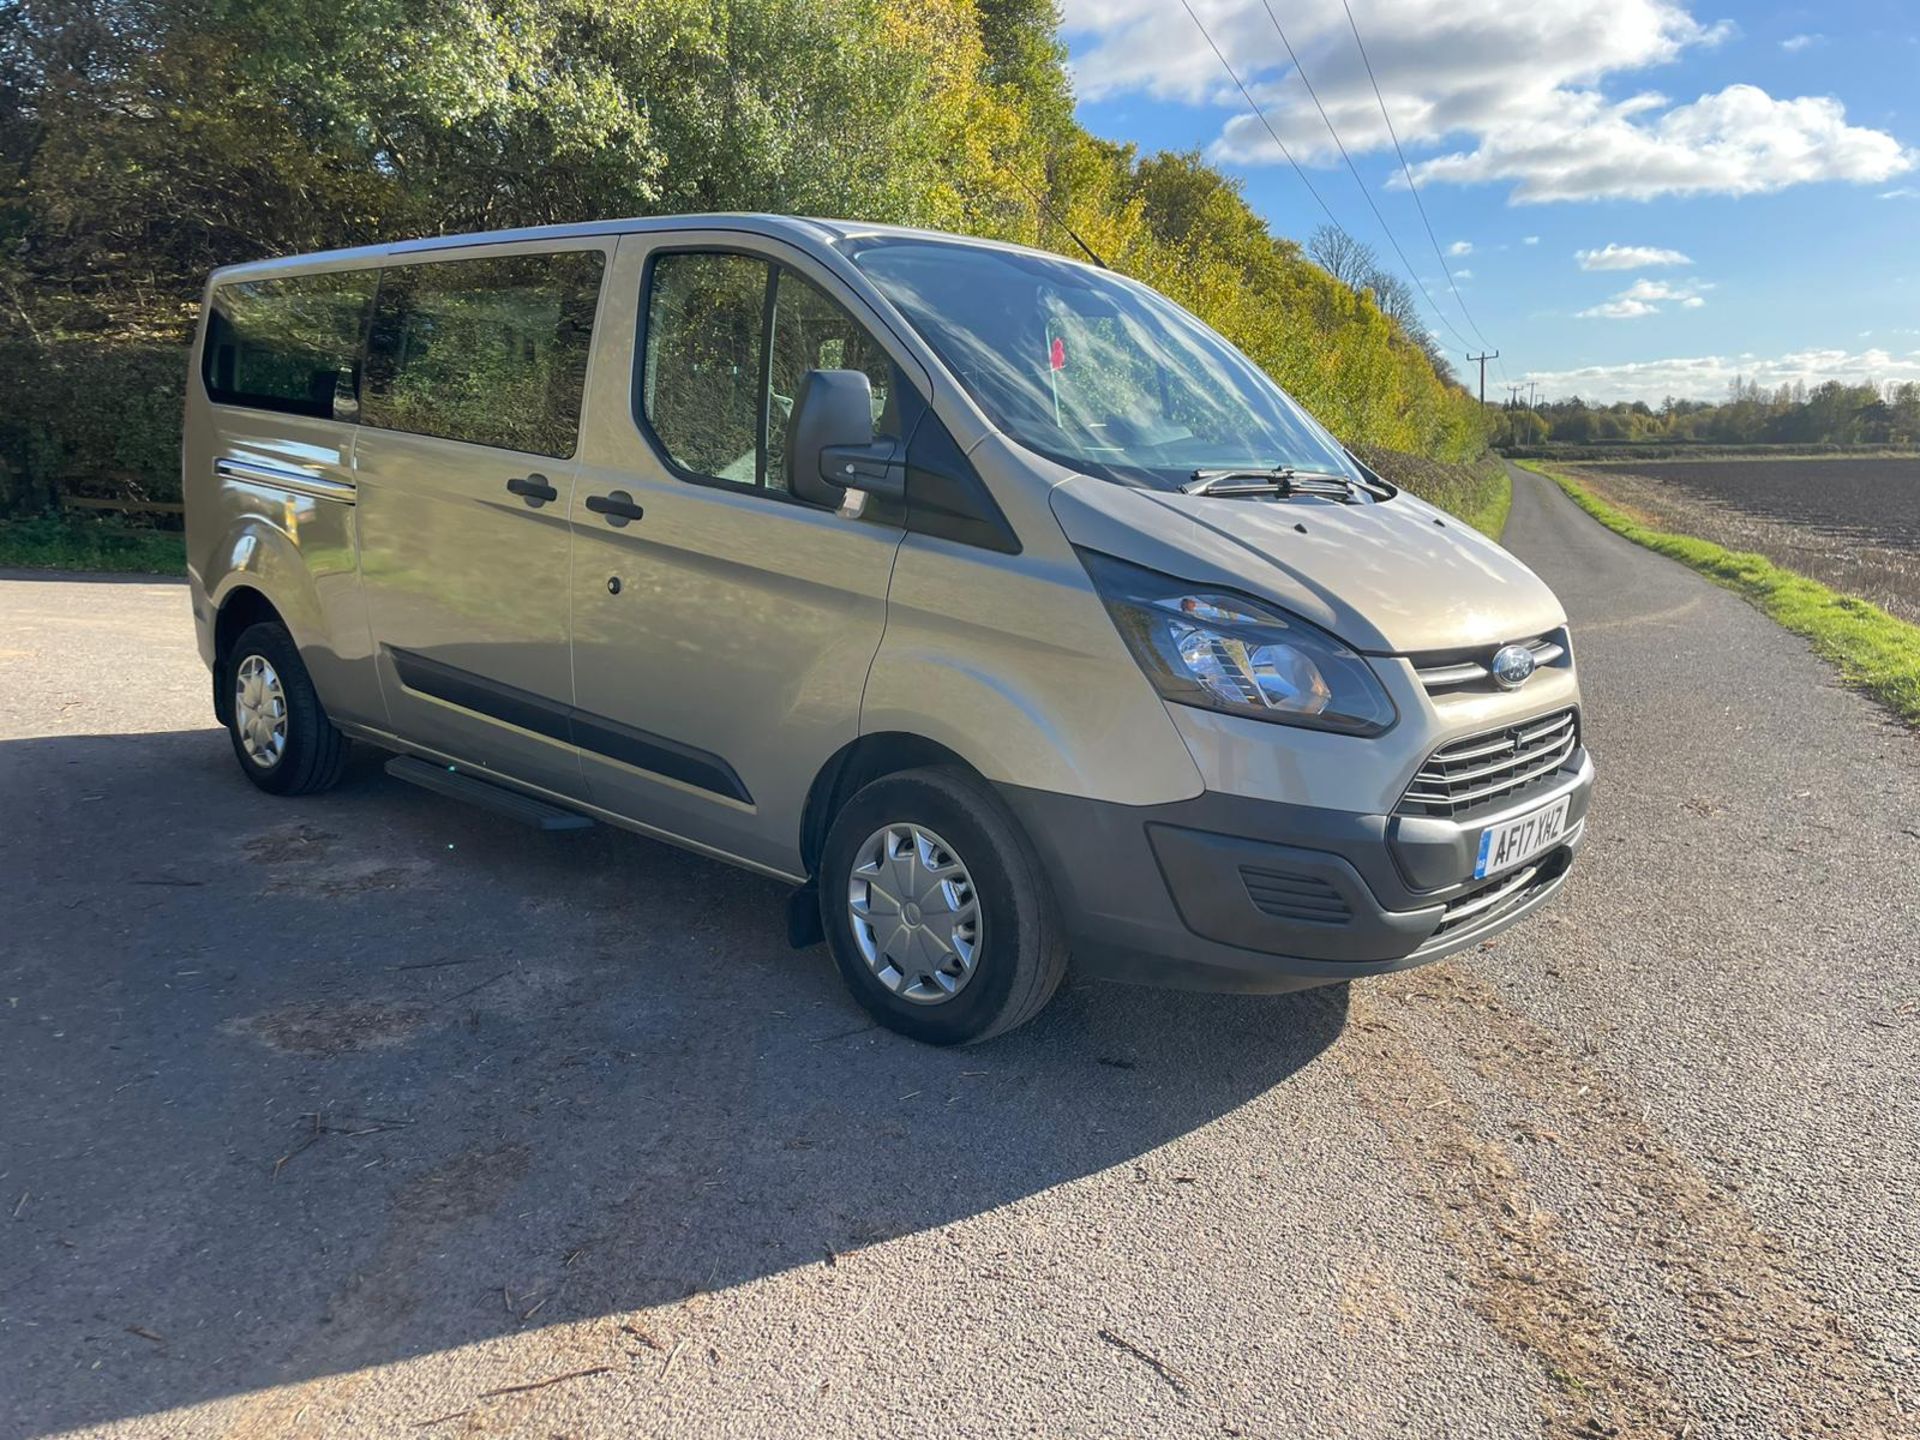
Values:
[(791, 227)]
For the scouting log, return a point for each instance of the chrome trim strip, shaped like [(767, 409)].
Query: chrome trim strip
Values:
[(1470, 672), (1464, 673), (1502, 746), (1545, 728), (1487, 899), (299, 482)]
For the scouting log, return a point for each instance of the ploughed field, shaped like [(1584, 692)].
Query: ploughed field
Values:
[(1853, 524)]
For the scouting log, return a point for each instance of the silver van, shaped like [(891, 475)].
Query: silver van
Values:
[(989, 599)]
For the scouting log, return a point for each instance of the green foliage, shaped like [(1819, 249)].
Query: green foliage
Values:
[(1876, 652), (98, 411), (1517, 428), (1480, 493), (1021, 39), (146, 142), (1490, 519), (57, 542)]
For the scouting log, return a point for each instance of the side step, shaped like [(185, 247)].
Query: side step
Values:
[(484, 793)]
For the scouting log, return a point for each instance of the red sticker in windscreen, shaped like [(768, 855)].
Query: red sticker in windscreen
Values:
[(1057, 354)]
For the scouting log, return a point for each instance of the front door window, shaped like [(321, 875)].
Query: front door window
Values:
[(728, 340)]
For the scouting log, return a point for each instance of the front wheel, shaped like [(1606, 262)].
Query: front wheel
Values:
[(280, 731), (936, 909)]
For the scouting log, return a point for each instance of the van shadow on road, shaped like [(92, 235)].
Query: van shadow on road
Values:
[(295, 1087)]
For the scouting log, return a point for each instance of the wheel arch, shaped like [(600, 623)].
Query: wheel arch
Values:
[(262, 577), (259, 557), (857, 764), (243, 607)]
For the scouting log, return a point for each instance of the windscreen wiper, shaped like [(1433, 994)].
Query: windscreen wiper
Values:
[(1280, 480)]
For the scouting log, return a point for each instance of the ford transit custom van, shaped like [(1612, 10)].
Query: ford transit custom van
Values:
[(988, 598)]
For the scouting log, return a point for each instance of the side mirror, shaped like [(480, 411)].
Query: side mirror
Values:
[(831, 448)]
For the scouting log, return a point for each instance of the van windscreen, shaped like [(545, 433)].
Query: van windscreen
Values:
[(1091, 369)]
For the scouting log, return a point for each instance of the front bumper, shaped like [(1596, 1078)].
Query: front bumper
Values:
[(1229, 892)]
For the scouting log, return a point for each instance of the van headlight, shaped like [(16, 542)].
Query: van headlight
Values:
[(1222, 651)]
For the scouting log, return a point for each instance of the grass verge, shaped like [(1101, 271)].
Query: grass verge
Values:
[(1495, 503), (69, 542), (1875, 652)]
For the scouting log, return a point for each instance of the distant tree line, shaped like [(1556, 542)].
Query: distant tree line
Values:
[(1832, 413), (144, 142)]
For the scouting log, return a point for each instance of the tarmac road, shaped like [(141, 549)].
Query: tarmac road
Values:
[(367, 1114)]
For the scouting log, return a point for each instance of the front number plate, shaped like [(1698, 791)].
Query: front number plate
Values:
[(1504, 846)]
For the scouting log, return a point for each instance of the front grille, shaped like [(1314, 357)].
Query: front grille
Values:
[(1288, 896), (1496, 765), (1452, 670)]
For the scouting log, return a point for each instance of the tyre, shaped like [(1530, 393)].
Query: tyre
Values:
[(936, 909), (280, 731)]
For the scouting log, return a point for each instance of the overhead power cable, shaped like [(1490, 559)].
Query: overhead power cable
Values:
[(1407, 170), (1261, 115), (1365, 192)]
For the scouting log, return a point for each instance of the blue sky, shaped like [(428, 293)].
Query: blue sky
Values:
[(1756, 168)]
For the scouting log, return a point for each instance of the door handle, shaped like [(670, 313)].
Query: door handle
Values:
[(534, 489), (617, 507)]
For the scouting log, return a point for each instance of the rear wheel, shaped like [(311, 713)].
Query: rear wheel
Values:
[(936, 908), (281, 734)]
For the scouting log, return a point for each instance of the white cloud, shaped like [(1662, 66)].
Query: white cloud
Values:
[(1901, 192), (1531, 240), (1622, 308), (1795, 43), (1645, 289), (1509, 95), (1644, 297), (1460, 247), (1707, 377), (1628, 257), (1739, 141), (1463, 273)]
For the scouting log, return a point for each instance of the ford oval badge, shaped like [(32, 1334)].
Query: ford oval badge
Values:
[(1512, 666)]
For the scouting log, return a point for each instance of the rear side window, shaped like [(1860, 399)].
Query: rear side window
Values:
[(492, 351), (291, 345)]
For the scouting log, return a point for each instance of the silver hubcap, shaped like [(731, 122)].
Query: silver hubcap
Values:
[(260, 711), (915, 915)]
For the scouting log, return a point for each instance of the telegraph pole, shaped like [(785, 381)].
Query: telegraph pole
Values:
[(1532, 386), (1493, 355)]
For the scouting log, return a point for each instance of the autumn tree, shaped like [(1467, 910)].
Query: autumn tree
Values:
[(144, 143)]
